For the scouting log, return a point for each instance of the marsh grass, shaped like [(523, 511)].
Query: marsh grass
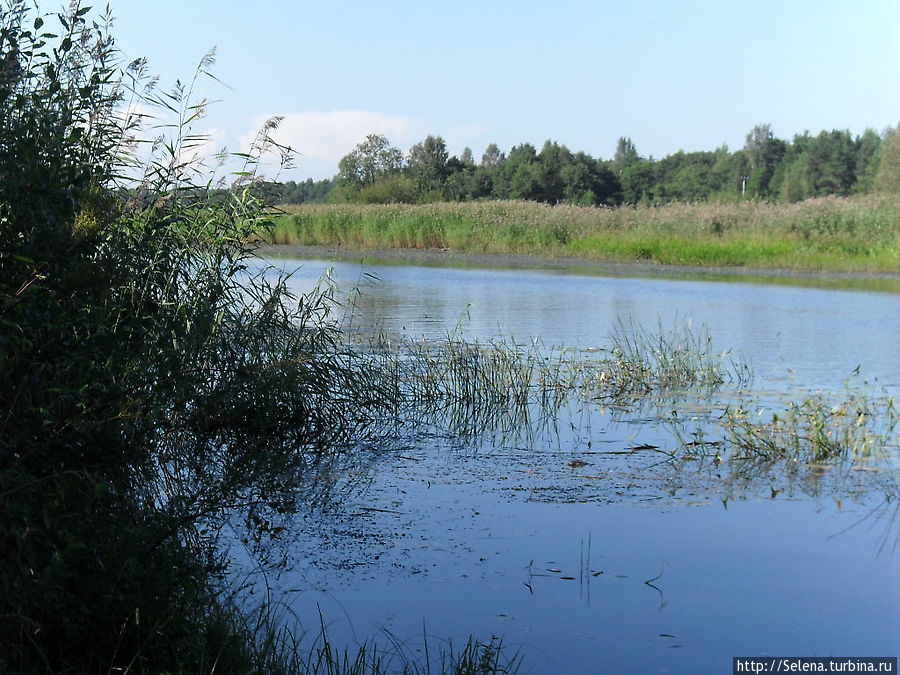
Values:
[(503, 393), (859, 233), (271, 640), (857, 427), (642, 361), (816, 430), (469, 387), (506, 389), (399, 657)]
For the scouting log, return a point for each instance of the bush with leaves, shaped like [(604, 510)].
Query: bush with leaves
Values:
[(149, 383)]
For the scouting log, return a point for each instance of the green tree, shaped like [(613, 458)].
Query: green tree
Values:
[(888, 177), (686, 176), (590, 182), (796, 185), (639, 183), (868, 147), (626, 155), (816, 166), (492, 157), (725, 179), (394, 189), (578, 177), (832, 161), (554, 160), (305, 192), (519, 176), (795, 179), (372, 159), (428, 167), (466, 180), (763, 152)]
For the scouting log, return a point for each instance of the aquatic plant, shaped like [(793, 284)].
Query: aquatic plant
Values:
[(507, 388), (668, 359), (820, 428), (398, 657), (470, 387), (815, 429)]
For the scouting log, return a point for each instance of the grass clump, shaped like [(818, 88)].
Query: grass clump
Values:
[(815, 430), (283, 648), (399, 658), (819, 429), (468, 388), (641, 361)]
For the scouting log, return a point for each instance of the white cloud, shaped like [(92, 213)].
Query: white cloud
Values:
[(322, 138)]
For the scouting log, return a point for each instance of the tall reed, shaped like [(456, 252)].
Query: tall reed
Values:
[(855, 234)]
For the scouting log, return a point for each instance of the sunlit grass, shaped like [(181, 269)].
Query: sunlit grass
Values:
[(850, 234)]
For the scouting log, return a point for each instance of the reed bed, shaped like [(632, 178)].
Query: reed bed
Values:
[(281, 646), (474, 658), (860, 233), (471, 388), (270, 639)]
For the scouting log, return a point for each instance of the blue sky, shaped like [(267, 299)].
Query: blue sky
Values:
[(689, 75)]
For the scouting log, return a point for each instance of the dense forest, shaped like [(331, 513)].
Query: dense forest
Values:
[(768, 168)]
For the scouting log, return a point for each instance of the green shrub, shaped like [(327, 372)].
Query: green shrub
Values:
[(142, 368)]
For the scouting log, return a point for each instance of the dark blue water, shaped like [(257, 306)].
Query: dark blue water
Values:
[(673, 569)]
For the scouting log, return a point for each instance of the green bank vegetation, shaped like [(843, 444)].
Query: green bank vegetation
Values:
[(820, 202), (858, 234)]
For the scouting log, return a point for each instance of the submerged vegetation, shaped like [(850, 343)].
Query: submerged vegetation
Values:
[(859, 234)]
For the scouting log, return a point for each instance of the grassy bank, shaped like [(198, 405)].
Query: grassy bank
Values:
[(858, 234)]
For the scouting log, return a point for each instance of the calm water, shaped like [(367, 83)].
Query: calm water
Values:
[(622, 564)]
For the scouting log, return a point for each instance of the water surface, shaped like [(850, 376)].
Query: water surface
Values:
[(619, 562)]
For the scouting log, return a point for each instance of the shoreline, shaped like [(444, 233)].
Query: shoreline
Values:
[(574, 265)]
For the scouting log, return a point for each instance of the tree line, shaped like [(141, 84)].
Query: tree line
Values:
[(768, 168)]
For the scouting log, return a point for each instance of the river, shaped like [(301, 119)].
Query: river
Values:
[(583, 554)]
